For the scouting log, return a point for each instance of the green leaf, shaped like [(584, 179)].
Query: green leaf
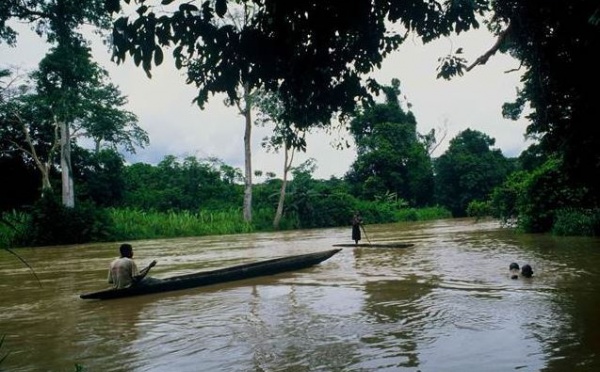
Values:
[(142, 9), (121, 23), (137, 56), (221, 7), (112, 6), (188, 8), (166, 2), (158, 56)]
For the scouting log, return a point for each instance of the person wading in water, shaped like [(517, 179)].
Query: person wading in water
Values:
[(356, 224)]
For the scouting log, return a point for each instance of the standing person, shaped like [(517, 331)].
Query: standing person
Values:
[(123, 272), (356, 222)]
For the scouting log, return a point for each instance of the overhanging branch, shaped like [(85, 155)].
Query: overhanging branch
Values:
[(482, 60)]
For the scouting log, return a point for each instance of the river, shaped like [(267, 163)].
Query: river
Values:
[(444, 304)]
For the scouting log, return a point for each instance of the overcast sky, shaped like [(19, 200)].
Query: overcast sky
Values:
[(178, 127)]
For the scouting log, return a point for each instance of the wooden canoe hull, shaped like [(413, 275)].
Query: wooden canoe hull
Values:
[(239, 272), (376, 245)]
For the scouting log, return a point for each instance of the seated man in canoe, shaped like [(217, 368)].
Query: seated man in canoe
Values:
[(123, 272)]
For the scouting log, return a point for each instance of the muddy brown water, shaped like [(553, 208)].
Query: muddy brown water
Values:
[(444, 304)]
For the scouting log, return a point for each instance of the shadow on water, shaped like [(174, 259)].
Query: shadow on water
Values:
[(444, 304)]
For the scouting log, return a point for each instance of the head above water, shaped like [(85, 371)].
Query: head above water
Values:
[(126, 250), (527, 271), (514, 270)]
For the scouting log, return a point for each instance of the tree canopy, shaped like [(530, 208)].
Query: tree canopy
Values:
[(391, 159), (469, 170), (554, 41), (315, 54)]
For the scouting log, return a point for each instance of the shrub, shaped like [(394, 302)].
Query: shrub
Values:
[(479, 209), (51, 223), (433, 213), (577, 222), (12, 228)]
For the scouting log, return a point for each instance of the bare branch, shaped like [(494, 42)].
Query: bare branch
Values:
[(482, 60), (31, 152), (514, 69)]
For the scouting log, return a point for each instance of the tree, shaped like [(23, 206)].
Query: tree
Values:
[(53, 19), (284, 137), (106, 122), (66, 68), (469, 170), (553, 42), (539, 197), (303, 193), (532, 158), (391, 159), (62, 78), (237, 18), (319, 52), (100, 176), (174, 185), (314, 54), (27, 130), (246, 111), (35, 114), (286, 140)]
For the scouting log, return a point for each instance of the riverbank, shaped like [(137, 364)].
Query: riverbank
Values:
[(130, 224)]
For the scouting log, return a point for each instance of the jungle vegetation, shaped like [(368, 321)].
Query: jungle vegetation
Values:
[(319, 53)]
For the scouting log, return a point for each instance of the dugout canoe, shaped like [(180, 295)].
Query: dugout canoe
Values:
[(376, 245), (239, 272)]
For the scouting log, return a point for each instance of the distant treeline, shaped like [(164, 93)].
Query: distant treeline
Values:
[(190, 198)]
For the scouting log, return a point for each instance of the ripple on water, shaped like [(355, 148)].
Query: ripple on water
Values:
[(445, 304)]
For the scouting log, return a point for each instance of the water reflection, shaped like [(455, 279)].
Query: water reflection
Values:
[(445, 304)]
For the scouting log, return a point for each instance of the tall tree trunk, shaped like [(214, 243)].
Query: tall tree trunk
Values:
[(286, 168), (96, 146), (46, 186), (68, 194), (248, 155), (44, 168)]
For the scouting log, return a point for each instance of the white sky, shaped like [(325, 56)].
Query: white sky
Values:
[(177, 127)]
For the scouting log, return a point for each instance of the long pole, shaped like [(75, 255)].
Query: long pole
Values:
[(366, 236)]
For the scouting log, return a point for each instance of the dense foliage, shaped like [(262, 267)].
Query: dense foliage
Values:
[(316, 60), (175, 185), (544, 199), (319, 52), (554, 41), (469, 170), (50, 223), (316, 55), (391, 160), (183, 197)]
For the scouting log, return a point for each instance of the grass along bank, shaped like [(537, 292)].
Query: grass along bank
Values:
[(73, 226)]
